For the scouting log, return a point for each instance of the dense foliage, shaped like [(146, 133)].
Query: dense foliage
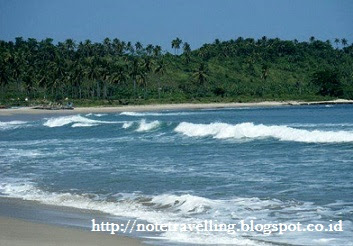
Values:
[(119, 72)]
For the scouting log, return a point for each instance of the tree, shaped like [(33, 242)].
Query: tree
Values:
[(176, 44), (138, 47), (337, 41), (201, 74), (187, 52), (328, 82), (160, 69), (135, 71), (344, 42), (264, 71), (157, 51), (149, 49)]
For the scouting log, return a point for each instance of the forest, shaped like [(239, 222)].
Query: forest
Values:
[(115, 72)]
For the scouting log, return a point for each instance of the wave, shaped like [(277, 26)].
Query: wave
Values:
[(9, 125), (127, 124), (97, 115), (147, 126), (252, 131), (185, 208), (142, 114), (75, 120)]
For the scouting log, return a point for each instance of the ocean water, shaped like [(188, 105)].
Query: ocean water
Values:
[(272, 165)]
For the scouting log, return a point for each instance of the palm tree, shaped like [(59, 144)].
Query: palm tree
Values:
[(135, 71), (344, 42), (176, 44), (157, 51), (187, 52), (312, 39), (337, 41), (138, 47), (160, 70), (147, 67), (107, 45), (265, 70), (201, 74), (149, 49)]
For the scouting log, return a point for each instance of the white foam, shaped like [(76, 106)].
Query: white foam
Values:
[(252, 131), (8, 125), (97, 115), (127, 124), (147, 126), (76, 120), (187, 208), (141, 114)]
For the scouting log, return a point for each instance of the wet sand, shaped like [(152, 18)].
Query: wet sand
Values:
[(15, 232)]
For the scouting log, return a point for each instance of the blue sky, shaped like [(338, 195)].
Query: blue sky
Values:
[(159, 21)]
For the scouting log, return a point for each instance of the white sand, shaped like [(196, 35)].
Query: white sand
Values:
[(158, 107)]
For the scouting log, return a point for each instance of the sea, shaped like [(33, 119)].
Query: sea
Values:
[(286, 164)]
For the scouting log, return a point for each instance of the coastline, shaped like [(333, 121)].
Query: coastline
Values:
[(26, 223), (159, 107), (15, 232)]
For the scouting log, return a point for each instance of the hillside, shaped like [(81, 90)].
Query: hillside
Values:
[(117, 72)]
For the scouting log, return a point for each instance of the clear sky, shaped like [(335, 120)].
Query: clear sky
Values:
[(159, 21)]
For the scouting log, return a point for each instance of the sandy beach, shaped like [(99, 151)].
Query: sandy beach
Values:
[(15, 232), (158, 107)]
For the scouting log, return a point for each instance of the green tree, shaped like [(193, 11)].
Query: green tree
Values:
[(176, 44), (187, 52), (160, 70), (328, 82)]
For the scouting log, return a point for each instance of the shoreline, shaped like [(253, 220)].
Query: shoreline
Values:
[(17, 232), (160, 107), (28, 223)]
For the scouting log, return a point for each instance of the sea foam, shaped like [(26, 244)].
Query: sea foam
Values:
[(182, 208), (252, 131), (9, 125), (75, 120), (147, 126), (142, 114)]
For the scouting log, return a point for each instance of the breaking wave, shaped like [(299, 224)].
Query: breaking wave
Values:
[(75, 120), (97, 115), (9, 125), (185, 208), (147, 126), (142, 114), (142, 125), (250, 130)]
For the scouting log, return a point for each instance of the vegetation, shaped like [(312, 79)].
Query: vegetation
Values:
[(118, 72)]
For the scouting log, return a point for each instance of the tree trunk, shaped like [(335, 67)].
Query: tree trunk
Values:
[(104, 90), (135, 87), (80, 92), (159, 89), (98, 90)]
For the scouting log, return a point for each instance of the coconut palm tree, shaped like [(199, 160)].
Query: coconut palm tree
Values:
[(187, 52), (160, 69), (344, 42), (201, 74), (176, 44), (337, 41), (157, 51)]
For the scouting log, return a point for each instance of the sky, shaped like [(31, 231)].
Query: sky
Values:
[(160, 21)]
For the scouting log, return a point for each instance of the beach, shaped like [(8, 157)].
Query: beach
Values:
[(26, 223), (181, 163), (159, 107), (15, 232)]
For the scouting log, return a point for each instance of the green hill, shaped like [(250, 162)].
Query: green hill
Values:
[(118, 72)]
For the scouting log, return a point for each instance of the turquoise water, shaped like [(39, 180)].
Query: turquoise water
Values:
[(279, 164)]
